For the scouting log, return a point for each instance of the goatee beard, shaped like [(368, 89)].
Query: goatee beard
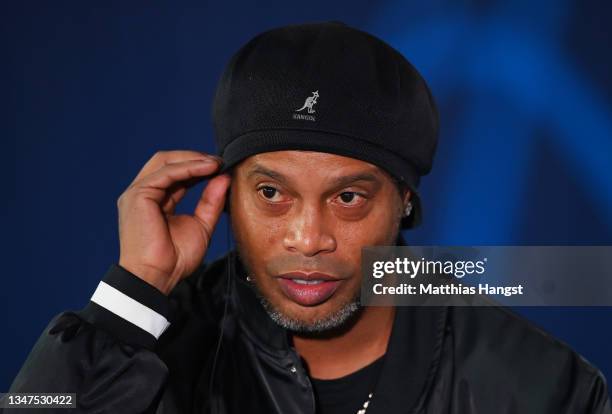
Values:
[(329, 324)]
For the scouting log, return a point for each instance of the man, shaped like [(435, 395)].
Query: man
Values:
[(323, 132)]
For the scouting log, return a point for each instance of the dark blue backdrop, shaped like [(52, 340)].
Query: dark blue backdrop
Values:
[(95, 88)]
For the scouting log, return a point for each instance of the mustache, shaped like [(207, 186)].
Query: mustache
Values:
[(323, 264)]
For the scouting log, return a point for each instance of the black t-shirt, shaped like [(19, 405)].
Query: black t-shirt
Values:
[(346, 395)]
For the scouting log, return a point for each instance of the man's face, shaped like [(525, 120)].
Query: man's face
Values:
[(295, 213)]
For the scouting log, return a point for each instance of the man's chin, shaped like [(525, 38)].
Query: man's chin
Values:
[(330, 322)]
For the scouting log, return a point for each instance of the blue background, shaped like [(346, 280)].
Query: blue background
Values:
[(93, 89)]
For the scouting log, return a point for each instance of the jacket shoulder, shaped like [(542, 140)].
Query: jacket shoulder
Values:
[(502, 350)]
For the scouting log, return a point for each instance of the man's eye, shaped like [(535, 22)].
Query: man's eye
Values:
[(268, 192), (350, 197)]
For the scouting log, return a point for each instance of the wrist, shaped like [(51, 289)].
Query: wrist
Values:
[(129, 308), (151, 275)]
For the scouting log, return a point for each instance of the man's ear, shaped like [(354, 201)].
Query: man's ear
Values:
[(407, 196)]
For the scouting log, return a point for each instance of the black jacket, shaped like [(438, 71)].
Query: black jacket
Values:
[(452, 360)]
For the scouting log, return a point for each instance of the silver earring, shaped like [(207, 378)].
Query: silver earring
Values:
[(408, 209), (248, 278)]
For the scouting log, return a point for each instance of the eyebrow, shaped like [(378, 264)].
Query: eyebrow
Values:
[(338, 181)]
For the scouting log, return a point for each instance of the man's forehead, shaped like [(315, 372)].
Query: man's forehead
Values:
[(313, 161)]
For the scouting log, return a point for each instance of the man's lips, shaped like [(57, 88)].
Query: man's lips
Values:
[(308, 289), (308, 276)]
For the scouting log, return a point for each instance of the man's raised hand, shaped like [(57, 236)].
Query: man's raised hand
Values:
[(155, 244)]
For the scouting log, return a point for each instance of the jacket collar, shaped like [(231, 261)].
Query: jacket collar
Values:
[(251, 315), (412, 353)]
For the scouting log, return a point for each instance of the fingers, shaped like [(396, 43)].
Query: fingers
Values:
[(163, 158), (176, 192), (158, 183), (211, 202)]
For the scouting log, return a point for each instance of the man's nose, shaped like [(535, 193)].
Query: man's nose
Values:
[(308, 232)]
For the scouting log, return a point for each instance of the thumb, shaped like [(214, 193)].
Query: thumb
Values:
[(210, 204)]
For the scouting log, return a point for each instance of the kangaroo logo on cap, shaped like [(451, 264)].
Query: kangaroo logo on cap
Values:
[(310, 102)]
